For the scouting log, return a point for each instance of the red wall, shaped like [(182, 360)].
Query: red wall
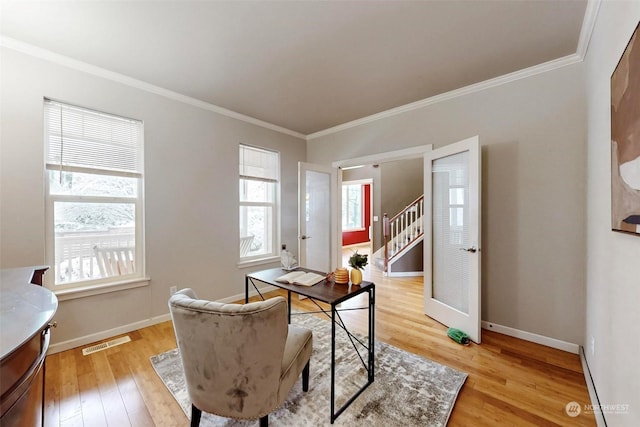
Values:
[(361, 236)]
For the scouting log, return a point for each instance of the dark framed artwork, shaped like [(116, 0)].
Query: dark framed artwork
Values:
[(625, 140)]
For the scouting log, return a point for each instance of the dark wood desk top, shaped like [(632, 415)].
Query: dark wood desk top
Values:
[(325, 291)]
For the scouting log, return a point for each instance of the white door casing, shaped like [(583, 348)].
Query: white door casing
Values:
[(452, 236)]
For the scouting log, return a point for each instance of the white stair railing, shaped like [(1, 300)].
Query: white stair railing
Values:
[(402, 230)]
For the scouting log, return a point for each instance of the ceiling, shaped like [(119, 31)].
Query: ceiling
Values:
[(303, 65)]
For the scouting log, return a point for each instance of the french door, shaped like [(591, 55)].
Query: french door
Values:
[(452, 242)]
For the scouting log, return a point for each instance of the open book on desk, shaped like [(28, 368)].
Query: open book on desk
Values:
[(301, 278)]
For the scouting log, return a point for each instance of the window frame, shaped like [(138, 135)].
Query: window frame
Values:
[(274, 204), (345, 207), (105, 284)]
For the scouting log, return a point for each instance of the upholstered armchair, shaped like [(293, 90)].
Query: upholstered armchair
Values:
[(240, 360)]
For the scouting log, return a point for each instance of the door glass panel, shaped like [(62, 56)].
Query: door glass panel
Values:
[(318, 221), (451, 231)]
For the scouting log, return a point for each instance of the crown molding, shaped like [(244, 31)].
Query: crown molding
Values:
[(65, 61), (476, 87), (588, 24)]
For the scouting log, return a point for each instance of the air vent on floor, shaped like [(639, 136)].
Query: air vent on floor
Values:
[(105, 345)]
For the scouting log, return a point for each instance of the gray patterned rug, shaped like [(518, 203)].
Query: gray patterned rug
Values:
[(408, 390)]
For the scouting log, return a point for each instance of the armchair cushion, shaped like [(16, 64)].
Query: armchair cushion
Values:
[(297, 353)]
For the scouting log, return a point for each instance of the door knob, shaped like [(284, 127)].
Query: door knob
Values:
[(305, 237), (472, 249)]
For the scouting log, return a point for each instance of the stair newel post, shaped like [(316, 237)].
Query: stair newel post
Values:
[(385, 234), (420, 221)]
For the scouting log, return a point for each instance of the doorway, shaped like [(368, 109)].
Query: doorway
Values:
[(456, 318), (356, 215), (396, 180)]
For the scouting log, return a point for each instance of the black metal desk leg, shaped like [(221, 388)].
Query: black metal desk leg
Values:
[(246, 289), (289, 308), (333, 362), (372, 333)]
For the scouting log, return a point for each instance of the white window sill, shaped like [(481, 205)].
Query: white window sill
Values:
[(261, 261), (87, 291)]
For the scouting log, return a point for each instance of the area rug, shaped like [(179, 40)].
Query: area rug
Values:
[(408, 390)]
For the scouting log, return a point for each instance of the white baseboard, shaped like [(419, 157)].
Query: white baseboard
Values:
[(239, 297), (109, 333), (593, 395), (405, 273), (103, 335), (529, 336), (357, 245)]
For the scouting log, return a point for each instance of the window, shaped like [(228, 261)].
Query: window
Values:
[(352, 212), (94, 170), (259, 187)]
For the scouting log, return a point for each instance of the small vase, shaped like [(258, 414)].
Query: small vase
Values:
[(341, 276), (356, 276)]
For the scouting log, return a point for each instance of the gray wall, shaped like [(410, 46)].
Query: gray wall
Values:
[(613, 259), (402, 183), (533, 136), (411, 260), (191, 189)]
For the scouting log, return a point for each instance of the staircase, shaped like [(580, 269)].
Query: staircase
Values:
[(401, 233)]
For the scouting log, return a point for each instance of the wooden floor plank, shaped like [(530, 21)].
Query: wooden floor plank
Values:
[(89, 389), (52, 390), (70, 405), (112, 400), (137, 411), (163, 408)]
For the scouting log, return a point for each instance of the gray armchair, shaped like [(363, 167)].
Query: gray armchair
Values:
[(240, 360)]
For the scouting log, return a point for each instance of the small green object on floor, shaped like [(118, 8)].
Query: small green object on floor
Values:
[(458, 336)]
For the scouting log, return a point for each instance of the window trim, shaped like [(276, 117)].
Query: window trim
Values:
[(272, 256), (83, 288), (103, 288)]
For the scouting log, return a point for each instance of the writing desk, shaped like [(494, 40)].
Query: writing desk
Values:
[(333, 294)]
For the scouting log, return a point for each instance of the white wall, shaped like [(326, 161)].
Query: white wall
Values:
[(191, 189), (613, 259), (532, 133)]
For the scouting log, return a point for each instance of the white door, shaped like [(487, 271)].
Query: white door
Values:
[(452, 243), (317, 216)]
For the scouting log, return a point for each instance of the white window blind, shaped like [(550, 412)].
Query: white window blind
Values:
[(80, 139), (256, 163)]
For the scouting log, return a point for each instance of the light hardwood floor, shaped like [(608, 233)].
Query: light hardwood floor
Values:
[(511, 382)]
